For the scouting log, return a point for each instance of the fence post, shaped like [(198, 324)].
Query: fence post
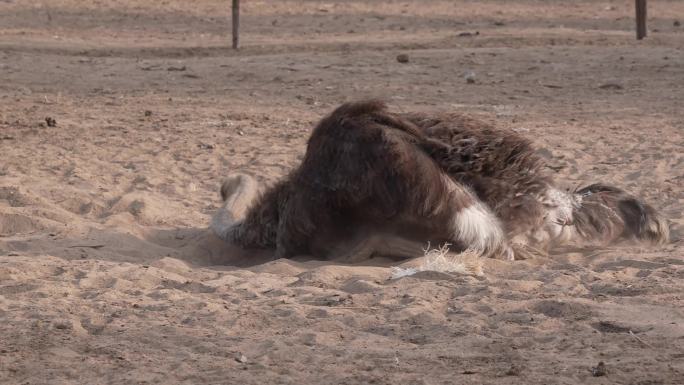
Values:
[(640, 19), (236, 24)]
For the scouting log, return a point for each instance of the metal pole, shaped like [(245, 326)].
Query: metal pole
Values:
[(236, 24), (640, 19)]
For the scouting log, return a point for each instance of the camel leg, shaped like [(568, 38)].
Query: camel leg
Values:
[(380, 244), (396, 246), (238, 191)]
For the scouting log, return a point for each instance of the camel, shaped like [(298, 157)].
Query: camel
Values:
[(376, 182)]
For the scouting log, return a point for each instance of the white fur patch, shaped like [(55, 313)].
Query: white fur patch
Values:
[(477, 227)]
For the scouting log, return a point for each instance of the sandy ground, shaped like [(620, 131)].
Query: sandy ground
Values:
[(109, 275)]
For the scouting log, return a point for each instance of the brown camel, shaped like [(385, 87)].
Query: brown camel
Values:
[(377, 182)]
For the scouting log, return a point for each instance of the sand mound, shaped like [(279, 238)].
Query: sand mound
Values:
[(146, 208)]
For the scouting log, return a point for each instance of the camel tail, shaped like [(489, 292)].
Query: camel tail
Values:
[(602, 214)]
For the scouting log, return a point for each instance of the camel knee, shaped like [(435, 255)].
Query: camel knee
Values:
[(238, 192)]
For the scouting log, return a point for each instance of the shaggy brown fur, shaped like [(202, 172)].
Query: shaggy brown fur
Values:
[(370, 176), (607, 213), (500, 166), (364, 168)]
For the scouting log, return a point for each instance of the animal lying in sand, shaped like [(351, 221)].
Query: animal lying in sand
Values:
[(378, 182)]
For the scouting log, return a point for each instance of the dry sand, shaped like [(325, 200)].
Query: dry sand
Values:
[(109, 275)]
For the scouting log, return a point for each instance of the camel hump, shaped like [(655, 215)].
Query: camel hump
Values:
[(362, 152), (359, 108), (366, 118)]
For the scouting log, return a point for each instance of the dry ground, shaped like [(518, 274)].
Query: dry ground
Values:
[(107, 271)]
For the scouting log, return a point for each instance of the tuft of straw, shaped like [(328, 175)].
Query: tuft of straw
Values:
[(442, 260)]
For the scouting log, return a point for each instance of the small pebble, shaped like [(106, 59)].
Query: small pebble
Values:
[(599, 370), (677, 23), (403, 58), (62, 325), (513, 371), (611, 86), (241, 358), (470, 77), (469, 34)]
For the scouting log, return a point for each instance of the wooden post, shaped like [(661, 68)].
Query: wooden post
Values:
[(640, 19), (236, 24)]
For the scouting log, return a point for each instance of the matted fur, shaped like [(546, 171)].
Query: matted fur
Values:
[(365, 167), (607, 213), (416, 179), (505, 172), (500, 166)]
